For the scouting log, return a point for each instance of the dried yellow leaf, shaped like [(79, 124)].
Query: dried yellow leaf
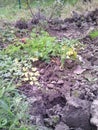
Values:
[(35, 59), (24, 69), (26, 74), (37, 83), (36, 73), (31, 83), (34, 79), (34, 69), (30, 78), (31, 73), (25, 79)]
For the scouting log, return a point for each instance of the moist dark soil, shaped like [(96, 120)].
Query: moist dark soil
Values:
[(65, 95)]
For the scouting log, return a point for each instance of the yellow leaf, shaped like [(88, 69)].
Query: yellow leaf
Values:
[(37, 83), (35, 59), (24, 69), (69, 53), (30, 78), (31, 73), (34, 69), (26, 74), (36, 73), (34, 79), (31, 83), (25, 79)]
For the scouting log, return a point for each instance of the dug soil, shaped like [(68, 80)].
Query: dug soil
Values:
[(64, 100)]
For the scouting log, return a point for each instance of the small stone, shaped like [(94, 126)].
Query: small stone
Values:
[(61, 126), (50, 85), (60, 82), (42, 71), (53, 82)]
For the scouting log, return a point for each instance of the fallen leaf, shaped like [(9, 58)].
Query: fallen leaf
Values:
[(36, 73), (25, 79), (24, 69), (37, 83), (31, 73), (26, 74), (34, 79), (23, 40), (34, 69), (31, 82)]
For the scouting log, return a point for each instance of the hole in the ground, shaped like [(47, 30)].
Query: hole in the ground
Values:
[(58, 100)]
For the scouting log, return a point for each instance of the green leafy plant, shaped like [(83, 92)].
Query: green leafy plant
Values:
[(19, 71), (43, 47), (94, 34)]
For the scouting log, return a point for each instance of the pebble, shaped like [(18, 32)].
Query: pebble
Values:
[(53, 82), (50, 85), (60, 82), (42, 71)]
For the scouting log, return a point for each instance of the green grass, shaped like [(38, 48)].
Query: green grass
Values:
[(42, 47)]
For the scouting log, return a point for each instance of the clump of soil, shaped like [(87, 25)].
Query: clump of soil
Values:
[(21, 24)]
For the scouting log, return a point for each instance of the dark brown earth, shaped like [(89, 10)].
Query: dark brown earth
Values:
[(63, 101)]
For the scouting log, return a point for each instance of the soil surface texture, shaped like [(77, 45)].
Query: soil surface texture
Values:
[(68, 97), (64, 100)]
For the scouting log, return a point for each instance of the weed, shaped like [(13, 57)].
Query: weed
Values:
[(20, 71)]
